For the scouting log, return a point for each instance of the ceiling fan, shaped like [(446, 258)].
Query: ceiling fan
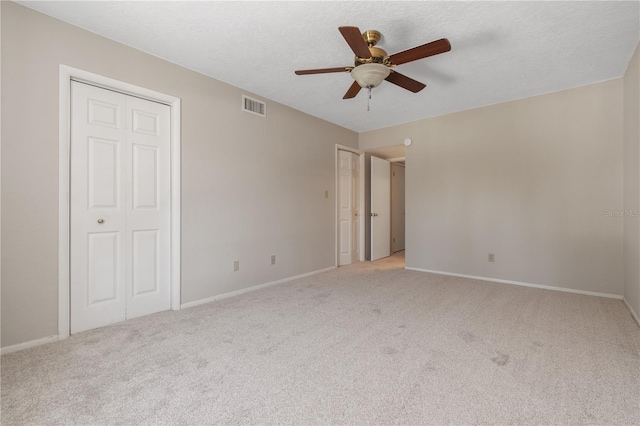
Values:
[(373, 65)]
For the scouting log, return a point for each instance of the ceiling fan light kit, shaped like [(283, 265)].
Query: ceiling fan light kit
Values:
[(371, 75), (372, 65)]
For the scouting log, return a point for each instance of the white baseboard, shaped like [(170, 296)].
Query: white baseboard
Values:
[(523, 284), (55, 338), (252, 288), (29, 344), (633, 313)]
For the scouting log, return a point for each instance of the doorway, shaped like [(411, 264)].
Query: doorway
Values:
[(119, 222), (397, 206), (385, 192)]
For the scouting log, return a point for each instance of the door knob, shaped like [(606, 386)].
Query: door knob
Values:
[(100, 220)]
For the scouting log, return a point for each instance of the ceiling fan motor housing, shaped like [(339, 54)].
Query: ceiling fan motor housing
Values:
[(378, 56)]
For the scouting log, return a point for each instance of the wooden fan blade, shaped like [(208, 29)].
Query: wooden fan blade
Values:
[(353, 91), (420, 52), (355, 41), (405, 82), (323, 70)]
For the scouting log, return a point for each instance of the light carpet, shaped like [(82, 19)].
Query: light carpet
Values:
[(369, 343)]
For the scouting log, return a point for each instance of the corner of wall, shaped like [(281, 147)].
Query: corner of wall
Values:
[(631, 184)]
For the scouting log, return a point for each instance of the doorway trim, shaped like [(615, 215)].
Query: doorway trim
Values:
[(66, 75), (396, 159), (360, 201)]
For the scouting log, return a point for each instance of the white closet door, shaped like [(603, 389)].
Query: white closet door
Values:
[(348, 207), (148, 207), (98, 207), (345, 207), (120, 215)]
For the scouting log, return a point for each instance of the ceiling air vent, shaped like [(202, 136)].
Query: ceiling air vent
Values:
[(254, 106)]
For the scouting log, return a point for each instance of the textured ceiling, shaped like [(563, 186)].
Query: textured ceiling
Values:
[(500, 50)]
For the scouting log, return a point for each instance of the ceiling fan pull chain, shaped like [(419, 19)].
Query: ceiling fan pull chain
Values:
[(369, 100)]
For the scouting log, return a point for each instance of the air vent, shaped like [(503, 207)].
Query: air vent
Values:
[(254, 106)]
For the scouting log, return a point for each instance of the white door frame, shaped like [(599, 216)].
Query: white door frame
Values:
[(396, 159), (360, 201), (64, 139)]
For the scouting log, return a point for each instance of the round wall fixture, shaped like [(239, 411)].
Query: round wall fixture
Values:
[(407, 142)]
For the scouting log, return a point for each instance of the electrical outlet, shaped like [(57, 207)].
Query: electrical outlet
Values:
[(273, 259), (492, 257), (236, 265)]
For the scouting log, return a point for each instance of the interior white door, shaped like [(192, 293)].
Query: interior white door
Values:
[(355, 207), (120, 214), (348, 207), (380, 208)]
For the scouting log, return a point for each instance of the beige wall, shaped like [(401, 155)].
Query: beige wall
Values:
[(528, 180), (251, 187), (632, 183)]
